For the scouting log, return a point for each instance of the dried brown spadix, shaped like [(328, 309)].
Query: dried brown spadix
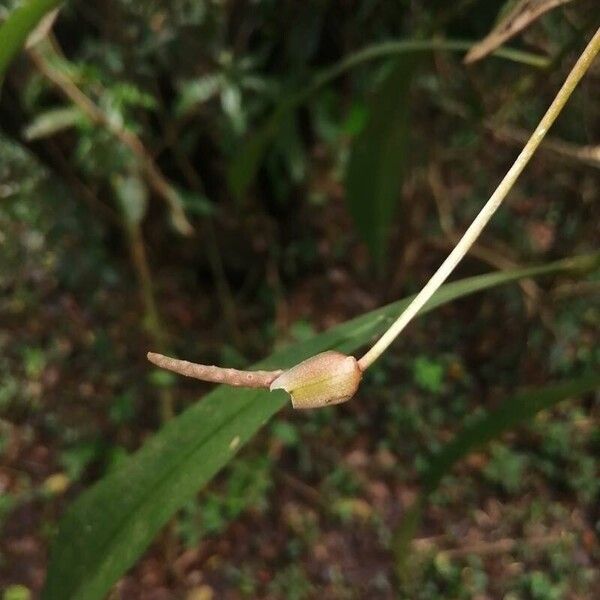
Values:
[(213, 374), (322, 380)]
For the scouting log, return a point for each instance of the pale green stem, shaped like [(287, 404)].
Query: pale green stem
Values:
[(481, 220)]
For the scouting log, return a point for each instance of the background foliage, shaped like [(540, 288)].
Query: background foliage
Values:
[(224, 180)]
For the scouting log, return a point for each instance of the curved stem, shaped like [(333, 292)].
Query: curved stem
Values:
[(394, 47), (400, 46), (481, 220)]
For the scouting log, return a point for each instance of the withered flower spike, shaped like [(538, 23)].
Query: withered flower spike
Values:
[(251, 379), (321, 380)]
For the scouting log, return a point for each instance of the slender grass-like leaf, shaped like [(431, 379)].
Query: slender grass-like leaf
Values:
[(20, 23), (109, 526), (483, 429)]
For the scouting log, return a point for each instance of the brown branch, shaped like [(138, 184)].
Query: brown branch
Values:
[(154, 176), (152, 320), (252, 379), (487, 548), (520, 17), (587, 154)]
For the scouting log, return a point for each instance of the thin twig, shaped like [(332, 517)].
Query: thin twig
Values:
[(486, 548), (486, 213), (586, 154), (152, 320)]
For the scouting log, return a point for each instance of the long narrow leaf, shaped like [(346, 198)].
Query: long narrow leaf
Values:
[(20, 23), (485, 428), (378, 156), (111, 524)]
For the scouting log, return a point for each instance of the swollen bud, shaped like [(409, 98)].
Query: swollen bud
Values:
[(327, 378)]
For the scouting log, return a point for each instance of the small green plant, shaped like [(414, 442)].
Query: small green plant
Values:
[(506, 468), (428, 374), (247, 485), (291, 583)]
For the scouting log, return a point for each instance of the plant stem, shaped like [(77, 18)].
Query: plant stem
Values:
[(486, 213), (152, 320)]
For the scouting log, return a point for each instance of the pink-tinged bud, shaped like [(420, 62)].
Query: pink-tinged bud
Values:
[(327, 378)]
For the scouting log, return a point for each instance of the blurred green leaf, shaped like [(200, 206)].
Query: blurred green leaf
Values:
[(20, 23), (286, 433), (133, 197), (196, 92), (16, 592), (481, 430), (52, 121), (428, 374), (161, 378), (75, 459), (197, 204), (378, 156), (112, 523), (247, 161)]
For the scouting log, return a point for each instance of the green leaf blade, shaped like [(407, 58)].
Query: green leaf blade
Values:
[(186, 454), (519, 409), (378, 157), (516, 411), (20, 23)]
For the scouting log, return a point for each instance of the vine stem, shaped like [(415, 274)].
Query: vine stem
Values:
[(486, 213)]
